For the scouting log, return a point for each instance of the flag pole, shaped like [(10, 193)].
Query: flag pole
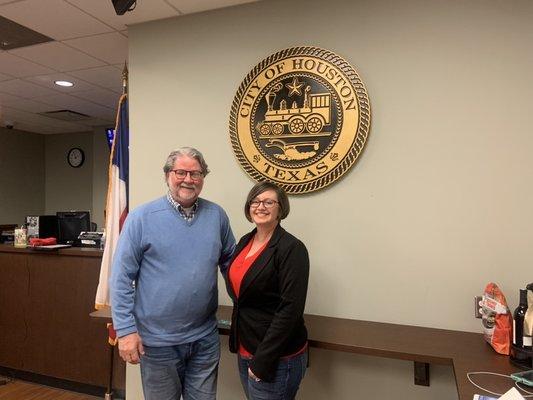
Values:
[(109, 395)]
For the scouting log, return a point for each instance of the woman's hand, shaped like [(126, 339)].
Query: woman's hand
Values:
[(251, 375)]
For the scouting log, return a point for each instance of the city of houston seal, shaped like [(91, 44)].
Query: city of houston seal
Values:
[(300, 119)]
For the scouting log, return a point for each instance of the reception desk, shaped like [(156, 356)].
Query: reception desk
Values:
[(46, 333)]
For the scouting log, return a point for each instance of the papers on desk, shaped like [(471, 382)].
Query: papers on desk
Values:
[(51, 247), (512, 394)]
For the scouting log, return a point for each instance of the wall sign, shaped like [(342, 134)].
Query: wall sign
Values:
[(300, 119)]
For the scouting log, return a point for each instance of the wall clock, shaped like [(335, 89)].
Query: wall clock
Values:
[(75, 157)]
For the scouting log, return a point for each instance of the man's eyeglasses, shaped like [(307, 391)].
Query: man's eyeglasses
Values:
[(182, 174), (268, 203)]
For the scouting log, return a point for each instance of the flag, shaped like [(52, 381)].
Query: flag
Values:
[(117, 199)]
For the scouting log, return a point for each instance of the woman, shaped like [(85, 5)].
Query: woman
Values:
[(267, 280)]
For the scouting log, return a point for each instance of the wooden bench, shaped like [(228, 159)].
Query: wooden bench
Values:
[(464, 351)]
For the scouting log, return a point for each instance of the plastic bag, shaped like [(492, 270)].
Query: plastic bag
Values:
[(496, 319)]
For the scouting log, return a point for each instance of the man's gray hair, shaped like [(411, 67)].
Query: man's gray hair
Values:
[(187, 152)]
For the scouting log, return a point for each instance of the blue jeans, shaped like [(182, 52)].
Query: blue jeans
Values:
[(188, 369), (289, 374)]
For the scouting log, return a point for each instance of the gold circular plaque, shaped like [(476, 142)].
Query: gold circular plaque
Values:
[(300, 119)]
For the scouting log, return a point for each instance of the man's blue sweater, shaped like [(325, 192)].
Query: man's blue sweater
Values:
[(174, 266)]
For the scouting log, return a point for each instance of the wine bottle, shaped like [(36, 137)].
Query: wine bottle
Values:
[(519, 339)]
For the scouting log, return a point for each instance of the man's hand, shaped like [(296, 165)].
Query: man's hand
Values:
[(130, 348)]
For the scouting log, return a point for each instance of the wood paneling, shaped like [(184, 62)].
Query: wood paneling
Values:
[(14, 306)]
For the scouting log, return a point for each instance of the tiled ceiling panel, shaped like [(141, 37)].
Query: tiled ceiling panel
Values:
[(194, 6), (60, 101), (58, 56), (24, 89), (13, 35), (95, 110), (19, 67), (5, 97), (102, 10), (145, 11), (102, 97), (26, 105), (4, 77), (17, 117), (66, 102), (48, 81), (109, 47), (108, 77), (66, 22)]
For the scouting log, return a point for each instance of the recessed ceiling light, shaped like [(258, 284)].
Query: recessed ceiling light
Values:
[(64, 83)]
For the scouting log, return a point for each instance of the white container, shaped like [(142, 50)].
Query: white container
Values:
[(21, 237)]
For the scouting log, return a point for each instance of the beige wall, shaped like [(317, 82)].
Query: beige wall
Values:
[(82, 188), (21, 175), (440, 202)]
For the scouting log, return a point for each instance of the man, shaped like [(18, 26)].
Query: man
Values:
[(164, 284)]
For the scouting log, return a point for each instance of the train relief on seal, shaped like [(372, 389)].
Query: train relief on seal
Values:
[(300, 119)]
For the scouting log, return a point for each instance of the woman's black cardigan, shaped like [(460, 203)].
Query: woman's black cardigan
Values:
[(267, 317)]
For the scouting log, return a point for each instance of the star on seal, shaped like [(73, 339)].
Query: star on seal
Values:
[(294, 87)]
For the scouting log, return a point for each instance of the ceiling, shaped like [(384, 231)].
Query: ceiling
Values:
[(89, 48)]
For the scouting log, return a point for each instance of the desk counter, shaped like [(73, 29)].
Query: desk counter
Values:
[(46, 298)]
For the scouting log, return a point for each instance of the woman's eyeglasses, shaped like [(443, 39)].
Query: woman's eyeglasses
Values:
[(268, 203)]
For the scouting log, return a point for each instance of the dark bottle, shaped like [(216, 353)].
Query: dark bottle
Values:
[(528, 339), (518, 320)]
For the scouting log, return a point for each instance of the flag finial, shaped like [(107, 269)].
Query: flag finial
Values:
[(125, 78)]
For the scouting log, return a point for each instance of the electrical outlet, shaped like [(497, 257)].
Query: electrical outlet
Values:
[(477, 306)]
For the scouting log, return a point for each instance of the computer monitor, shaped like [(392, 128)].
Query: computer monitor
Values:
[(71, 223), (48, 226)]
